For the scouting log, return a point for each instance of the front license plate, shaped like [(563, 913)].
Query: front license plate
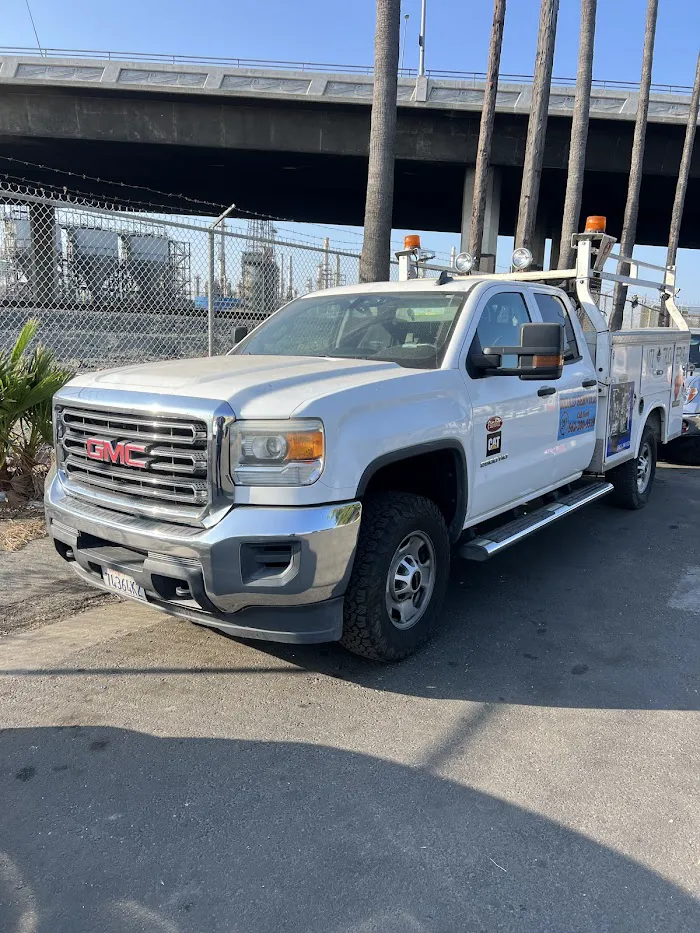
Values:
[(122, 583)]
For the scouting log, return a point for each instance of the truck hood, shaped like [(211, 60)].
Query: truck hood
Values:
[(254, 386)]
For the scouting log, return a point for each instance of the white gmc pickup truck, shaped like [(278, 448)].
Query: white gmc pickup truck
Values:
[(311, 485)]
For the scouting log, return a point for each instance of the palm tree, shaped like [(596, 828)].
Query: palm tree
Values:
[(537, 124), (682, 184), (28, 381), (376, 247), (579, 134), (483, 152), (629, 224)]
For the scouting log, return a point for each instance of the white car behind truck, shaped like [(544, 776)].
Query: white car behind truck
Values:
[(686, 448), (311, 485)]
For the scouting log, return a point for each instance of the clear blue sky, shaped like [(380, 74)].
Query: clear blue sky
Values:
[(335, 32)]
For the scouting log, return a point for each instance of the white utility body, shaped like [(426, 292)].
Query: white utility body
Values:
[(311, 484)]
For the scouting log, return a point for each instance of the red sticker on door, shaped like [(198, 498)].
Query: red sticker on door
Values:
[(494, 424)]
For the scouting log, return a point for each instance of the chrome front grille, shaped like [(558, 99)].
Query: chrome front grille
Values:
[(137, 462)]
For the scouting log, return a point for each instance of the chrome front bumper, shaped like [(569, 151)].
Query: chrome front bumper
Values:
[(262, 572)]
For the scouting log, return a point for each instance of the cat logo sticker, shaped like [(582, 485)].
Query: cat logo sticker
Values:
[(493, 444)]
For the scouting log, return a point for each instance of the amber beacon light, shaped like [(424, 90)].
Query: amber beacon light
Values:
[(595, 224), (411, 241)]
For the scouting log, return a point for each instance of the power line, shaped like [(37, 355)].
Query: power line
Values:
[(36, 34), (170, 196), (200, 202)]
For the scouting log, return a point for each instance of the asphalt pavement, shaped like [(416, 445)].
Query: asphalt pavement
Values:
[(535, 768)]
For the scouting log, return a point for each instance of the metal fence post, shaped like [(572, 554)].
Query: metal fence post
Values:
[(210, 297)]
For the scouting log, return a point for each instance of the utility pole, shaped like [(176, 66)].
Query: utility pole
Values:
[(537, 124), (421, 41), (483, 152), (379, 203), (629, 225), (682, 184), (579, 134)]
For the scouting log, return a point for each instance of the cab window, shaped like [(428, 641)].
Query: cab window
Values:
[(553, 311), (499, 326)]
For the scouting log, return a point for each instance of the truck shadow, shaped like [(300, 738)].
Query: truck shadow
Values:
[(584, 614), (114, 830)]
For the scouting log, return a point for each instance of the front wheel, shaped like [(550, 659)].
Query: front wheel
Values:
[(399, 577), (634, 479)]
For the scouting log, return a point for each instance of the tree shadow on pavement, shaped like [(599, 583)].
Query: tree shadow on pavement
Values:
[(115, 831), (580, 615)]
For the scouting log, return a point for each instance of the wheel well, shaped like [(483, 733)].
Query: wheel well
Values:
[(655, 422), (439, 475)]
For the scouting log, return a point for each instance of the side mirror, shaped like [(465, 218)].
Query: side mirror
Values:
[(239, 332), (540, 354)]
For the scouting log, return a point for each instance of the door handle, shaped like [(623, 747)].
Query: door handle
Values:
[(589, 383), (546, 390)]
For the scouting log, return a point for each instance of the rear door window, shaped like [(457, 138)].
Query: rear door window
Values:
[(499, 325), (554, 311)]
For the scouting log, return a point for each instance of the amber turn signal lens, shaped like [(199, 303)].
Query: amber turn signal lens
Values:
[(305, 445), (411, 241), (538, 361), (595, 224)]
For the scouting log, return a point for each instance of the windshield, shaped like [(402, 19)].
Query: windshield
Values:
[(694, 358), (411, 329)]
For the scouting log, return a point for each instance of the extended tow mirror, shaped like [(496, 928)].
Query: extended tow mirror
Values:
[(239, 332), (540, 354)]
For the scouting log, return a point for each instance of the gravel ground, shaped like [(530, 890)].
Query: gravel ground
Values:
[(36, 587), (535, 768)]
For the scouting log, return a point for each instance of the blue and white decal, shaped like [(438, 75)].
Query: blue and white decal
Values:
[(577, 411)]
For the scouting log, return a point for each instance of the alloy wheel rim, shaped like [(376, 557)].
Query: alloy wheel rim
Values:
[(411, 580), (643, 467)]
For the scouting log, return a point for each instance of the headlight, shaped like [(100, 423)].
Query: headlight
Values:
[(690, 394), (277, 453)]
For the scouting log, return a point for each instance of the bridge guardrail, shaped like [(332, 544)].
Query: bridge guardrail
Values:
[(319, 67)]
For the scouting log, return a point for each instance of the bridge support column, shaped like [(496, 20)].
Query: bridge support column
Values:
[(491, 216), (42, 235)]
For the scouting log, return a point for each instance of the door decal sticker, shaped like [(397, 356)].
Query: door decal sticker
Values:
[(620, 417), (577, 411)]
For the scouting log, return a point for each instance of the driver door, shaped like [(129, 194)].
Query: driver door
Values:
[(511, 417)]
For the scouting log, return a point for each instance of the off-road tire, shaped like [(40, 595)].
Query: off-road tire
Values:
[(626, 494), (387, 519)]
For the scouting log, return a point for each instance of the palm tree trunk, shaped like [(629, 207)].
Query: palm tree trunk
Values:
[(579, 134), (376, 246), (629, 224), (537, 124), (483, 152), (682, 185)]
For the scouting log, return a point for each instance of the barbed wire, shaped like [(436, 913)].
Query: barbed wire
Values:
[(107, 204), (166, 194), (33, 188), (87, 199), (116, 184)]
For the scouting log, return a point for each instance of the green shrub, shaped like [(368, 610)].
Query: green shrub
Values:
[(28, 380)]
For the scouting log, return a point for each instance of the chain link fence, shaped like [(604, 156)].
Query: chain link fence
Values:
[(111, 287)]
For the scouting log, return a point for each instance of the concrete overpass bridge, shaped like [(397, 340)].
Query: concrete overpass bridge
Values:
[(292, 141)]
